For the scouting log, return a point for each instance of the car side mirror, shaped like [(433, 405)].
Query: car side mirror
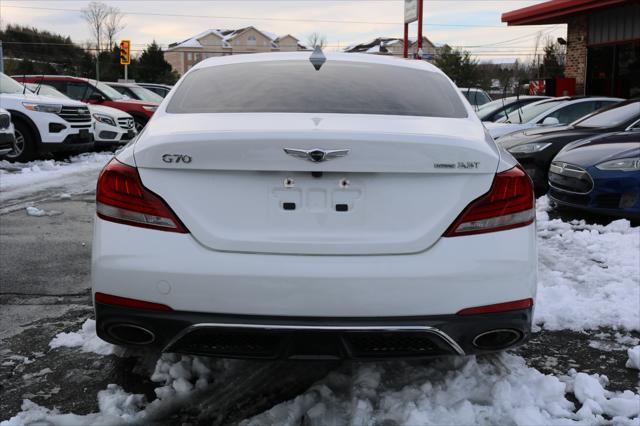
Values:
[(550, 121), (96, 97)]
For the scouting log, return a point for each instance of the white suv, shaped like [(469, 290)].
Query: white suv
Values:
[(44, 124), (353, 206), (112, 127)]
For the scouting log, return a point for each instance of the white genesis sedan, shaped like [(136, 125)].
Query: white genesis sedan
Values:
[(279, 205)]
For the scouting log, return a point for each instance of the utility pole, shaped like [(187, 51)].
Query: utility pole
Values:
[(411, 14), (420, 6), (406, 40), (1, 58), (98, 64)]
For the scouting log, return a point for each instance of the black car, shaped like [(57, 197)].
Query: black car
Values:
[(535, 148), (495, 110), (599, 174), (157, 88), (134, 91)]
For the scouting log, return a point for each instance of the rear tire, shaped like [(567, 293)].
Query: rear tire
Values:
[(25, 147)]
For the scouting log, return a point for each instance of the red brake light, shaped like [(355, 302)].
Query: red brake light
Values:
[(509, 204), (109, 299), (122, 198), (498, 307)]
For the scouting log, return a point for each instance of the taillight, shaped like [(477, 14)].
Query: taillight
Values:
[(121, 198), (509, 204)]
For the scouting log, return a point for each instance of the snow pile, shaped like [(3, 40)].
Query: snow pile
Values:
[(598, 402), (22, 174), (499, 390), (180, 376), (87, 340), (589, 275), (34, 211), (634, 358)]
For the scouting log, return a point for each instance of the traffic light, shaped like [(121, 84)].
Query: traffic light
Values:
[(125, 52)]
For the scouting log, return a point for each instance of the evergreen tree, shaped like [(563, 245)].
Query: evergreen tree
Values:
[(459, 66), (152, 67), (40, 52), (551, 66)]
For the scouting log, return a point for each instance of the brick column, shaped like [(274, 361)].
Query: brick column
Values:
[(576, 61)]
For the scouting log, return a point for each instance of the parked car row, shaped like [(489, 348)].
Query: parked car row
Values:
[(584, 152), (65, 114)]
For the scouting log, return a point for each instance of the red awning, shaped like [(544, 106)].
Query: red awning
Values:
[(555, 11)]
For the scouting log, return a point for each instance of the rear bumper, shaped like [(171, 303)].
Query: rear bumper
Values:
[(177, 271), (237, 336)]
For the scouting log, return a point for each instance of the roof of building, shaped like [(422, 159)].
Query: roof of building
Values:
[(555, 11), (226, 35), (380, 44)]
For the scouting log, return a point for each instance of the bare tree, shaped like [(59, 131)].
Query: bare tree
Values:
[(316, 40), (113, 25), (96, 15)]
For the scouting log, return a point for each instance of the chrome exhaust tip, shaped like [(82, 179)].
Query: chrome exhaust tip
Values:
[(497, 339), (131, 334)]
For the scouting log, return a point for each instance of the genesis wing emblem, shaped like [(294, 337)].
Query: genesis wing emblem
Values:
[(316, 155)]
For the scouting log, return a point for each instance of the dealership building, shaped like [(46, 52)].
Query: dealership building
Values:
[(603, 42)]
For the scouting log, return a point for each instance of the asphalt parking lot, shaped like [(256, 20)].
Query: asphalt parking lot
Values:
[(46, 290)]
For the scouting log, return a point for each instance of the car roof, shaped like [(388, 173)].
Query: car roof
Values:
[(52, 77), (121, 84), (304, 56), (165, 86)]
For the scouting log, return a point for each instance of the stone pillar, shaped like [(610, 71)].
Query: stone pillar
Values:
[(576, 61)]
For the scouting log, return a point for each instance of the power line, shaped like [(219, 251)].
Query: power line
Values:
[(524, 37), (248, 18), (519, 50)]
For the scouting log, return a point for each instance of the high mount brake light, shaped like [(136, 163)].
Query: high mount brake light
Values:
[(509, 204), (121, 198)]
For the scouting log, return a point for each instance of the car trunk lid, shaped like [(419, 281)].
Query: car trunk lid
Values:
[(403, 181)]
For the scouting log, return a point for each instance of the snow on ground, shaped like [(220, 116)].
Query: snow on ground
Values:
[(180, 378), (23, 174), (589, 275), (17, 179), (589, 278), (87, 340), (500, 390), (634, 358), (34, 211), (488, 390)]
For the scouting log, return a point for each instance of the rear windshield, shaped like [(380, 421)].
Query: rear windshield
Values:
[(531, 111), (145, 94), (296, 87)]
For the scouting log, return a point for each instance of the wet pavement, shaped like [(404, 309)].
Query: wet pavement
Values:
[(45, 290)]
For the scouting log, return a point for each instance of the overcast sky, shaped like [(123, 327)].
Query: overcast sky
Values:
[(464, 23)]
